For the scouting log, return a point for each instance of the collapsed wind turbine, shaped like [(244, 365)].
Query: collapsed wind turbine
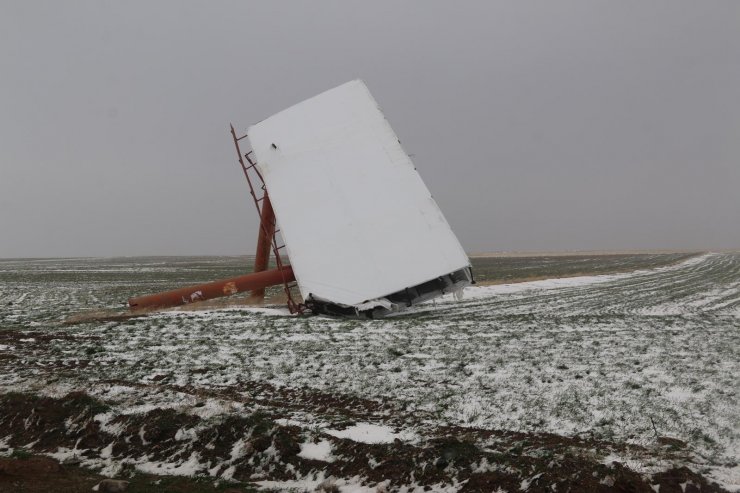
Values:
[(359, 233)]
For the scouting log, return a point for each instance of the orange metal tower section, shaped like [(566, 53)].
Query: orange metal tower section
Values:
[(261, 278)]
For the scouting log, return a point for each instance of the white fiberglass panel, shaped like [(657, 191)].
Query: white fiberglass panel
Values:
[(357, 220)]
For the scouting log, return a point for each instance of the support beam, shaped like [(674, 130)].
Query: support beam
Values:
[(215, 289), (264, 242)]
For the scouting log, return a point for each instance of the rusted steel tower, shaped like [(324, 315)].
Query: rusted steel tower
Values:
[(268, 242)]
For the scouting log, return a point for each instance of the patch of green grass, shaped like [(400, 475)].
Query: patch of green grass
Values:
[(21, 453), (90, 350)]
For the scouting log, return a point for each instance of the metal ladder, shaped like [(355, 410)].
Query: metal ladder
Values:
[(258, 191)]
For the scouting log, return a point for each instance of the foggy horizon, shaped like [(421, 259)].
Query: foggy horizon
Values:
[(541, 127)]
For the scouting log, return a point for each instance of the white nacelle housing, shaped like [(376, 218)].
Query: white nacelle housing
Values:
[(359, 224)]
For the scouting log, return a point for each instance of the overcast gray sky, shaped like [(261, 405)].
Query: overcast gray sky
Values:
[(537, 125)]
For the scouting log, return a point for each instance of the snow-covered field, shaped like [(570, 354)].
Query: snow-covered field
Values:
[(624, 357)]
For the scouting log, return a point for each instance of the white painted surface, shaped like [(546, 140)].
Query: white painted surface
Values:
[(357, 219)]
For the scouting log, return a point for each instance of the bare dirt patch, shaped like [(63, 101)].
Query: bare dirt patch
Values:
[(244, 447)]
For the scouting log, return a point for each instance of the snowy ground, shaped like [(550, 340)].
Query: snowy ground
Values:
[(622, 357)]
